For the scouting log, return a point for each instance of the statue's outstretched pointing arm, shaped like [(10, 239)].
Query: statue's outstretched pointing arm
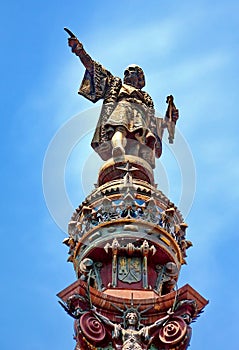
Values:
[(77, 48)]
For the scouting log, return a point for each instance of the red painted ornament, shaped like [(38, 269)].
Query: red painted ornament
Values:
[(173, 332), (91, 328)]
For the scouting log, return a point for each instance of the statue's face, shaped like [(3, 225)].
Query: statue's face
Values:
[(132, 319), (134, 75)]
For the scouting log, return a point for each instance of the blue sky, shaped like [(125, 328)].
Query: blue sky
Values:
[(187, 48)]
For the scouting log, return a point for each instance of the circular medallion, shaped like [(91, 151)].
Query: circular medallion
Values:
[(91, 328), (173, 332)]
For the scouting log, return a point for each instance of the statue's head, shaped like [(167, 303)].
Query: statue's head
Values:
[(134, 75), (132, 319)]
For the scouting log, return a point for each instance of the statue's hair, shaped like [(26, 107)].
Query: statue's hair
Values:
[(132, 312), (140, 73)]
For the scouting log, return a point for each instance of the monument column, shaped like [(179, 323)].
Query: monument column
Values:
[(127, 240)]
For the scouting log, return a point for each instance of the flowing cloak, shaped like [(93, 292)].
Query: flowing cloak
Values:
[(123, 106)]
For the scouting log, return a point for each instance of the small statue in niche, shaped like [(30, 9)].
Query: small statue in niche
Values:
[(180, 231), (167, 217), (71, 243), (180, 234), (127, 123)]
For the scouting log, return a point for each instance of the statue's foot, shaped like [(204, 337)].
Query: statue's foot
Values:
[(170, 140), (118, 153)]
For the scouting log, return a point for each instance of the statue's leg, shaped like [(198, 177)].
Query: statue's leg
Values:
[(147, 154), (118, 142), (150, 140), (132, 147)]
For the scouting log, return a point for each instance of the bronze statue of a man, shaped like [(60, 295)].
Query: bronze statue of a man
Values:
[(127, 123)]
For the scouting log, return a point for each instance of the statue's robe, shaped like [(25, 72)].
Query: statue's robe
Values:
[(123, 106)]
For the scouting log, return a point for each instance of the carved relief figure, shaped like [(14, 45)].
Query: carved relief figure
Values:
[(132, 336)]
